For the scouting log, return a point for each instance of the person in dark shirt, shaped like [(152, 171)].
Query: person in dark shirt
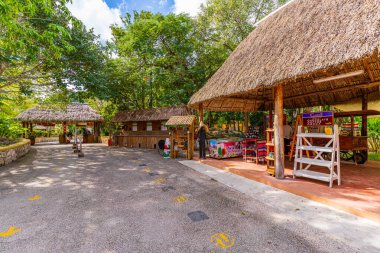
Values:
[(202, 129)]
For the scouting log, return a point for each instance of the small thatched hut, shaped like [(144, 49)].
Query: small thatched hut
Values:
[(308, 53), (72, 114), (144, 128)]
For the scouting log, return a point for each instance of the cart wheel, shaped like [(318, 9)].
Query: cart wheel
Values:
[(359, 158)]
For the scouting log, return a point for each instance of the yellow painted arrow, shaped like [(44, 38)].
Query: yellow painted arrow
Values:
[(36, 197), (11, 231)]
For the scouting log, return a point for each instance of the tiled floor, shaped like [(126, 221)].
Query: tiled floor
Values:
[(359, 193)]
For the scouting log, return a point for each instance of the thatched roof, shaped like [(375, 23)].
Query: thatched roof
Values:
[(72, 113), (154, 114), (181, 120), (305, 41)]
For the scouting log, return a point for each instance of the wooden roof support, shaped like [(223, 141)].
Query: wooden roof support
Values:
[(279, 132), (364, 119), (246, 118), (200, 110)]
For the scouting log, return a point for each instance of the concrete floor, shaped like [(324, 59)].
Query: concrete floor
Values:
[(123, 200), (358, 194)]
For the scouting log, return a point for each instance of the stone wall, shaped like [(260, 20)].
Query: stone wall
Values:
[(13, 152)]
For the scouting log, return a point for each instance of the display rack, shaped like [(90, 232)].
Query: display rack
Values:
[(293, 143), (270, 158), (332, 162), (254, 149)]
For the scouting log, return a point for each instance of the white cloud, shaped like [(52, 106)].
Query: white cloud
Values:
[(188, 6), (96, 14)]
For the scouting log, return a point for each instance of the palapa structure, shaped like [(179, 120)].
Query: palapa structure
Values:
[(299, 47), (308, 53), (71, 114), (144, 128)]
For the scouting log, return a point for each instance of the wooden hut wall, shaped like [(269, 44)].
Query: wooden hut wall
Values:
[(156, 125), (141, 138), (141, 126)]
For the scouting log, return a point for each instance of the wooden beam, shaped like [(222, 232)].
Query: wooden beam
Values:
[(270, 125), (200, 110), (246, 117), (279, 133), (364, 120), (338, 77)]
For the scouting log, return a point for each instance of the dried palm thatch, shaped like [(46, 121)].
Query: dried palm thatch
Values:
[(72, 113), (305, 41), (181, 120), (154, 114)]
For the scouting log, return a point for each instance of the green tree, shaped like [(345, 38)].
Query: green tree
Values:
[(42, 44), (158, 62)]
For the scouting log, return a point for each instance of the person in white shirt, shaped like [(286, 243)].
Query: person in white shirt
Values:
[(287, 136)]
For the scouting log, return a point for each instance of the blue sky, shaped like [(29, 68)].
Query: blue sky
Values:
[(161, 6), (101, 14)]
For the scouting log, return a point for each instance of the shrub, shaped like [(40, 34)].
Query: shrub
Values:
[(10, 128)]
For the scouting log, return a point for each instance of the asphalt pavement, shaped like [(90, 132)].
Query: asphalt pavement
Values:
[(130, 200)]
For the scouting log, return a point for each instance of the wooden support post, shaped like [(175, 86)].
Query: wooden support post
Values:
[(64, 132), (246, 118), (352, 125), (270, 117), (279, 133), (364, 121), (200, 112), (24, 126)]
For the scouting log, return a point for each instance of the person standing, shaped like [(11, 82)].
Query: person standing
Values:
[(202, 129)]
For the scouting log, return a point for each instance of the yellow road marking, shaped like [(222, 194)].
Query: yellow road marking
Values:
[(160, 180), (148, 170), (222, 240), (181, 199), (11, 231), (36, 197)]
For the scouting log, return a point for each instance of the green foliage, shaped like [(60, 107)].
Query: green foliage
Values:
[(9, 128), (164, 59), (108, 111), (374, 156), (373, 126), (43, 48), (157, 64)]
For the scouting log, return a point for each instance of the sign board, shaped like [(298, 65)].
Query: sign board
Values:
[(318, 119)]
